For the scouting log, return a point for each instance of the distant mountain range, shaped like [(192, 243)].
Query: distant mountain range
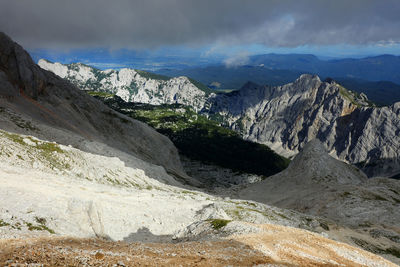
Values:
[(379, 68), (284, 117), (377, 77)]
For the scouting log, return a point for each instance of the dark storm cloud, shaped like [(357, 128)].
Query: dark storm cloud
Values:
[(151, 23)]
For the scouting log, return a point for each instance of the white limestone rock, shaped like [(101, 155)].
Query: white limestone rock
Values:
[(131, 85)]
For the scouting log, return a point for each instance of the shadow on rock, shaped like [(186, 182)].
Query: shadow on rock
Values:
[(145, 235)]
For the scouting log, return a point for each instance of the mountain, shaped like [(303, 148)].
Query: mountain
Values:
[(317, 184), (132, 85), (76, 176), (376, 77), (377, 68), (65, 114), (287, 117), (383, 93), (223, 77), (71, 166)]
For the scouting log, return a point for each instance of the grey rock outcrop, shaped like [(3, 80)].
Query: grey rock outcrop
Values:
[(131, 85), (70, 116), (317, 184), (287, 117)]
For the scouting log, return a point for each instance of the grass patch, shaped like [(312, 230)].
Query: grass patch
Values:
[(218, 223), (41, 226), (201, 86), (100, 94), (353, 97), (151, 75), (3, 223)]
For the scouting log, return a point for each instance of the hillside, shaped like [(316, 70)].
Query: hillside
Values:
[(200, 138)]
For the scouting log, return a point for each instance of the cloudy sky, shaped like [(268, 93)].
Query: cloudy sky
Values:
[(206, 28)]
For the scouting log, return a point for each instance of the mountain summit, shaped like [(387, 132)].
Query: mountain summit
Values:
[(287, 117)]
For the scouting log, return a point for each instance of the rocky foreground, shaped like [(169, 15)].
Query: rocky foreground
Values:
[(272, 246)]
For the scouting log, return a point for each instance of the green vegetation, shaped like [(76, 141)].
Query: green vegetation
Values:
[(40, 226), (3, 223), (201, 86), (100, 94), (151, 75), (45, 150), (218, 223), (200, 138), (352, 96)]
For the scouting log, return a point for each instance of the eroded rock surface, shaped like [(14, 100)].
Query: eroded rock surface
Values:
[(287, 117)]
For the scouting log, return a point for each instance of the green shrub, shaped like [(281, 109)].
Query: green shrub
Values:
[(218, 223)]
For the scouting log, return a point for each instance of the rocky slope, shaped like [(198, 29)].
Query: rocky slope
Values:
[(287, 117), (132, 85), (63, 113), (317, 184), (51, 191)]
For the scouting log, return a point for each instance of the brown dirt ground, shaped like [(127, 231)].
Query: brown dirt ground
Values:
[(277, 245), (96, 252)]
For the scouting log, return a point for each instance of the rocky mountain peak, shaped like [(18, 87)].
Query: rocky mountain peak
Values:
[(20, 70), (306, 82), (313, 162)]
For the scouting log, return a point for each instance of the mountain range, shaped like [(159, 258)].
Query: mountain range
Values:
[(377, 77), (77, 175), (132, 85), (285, 117)]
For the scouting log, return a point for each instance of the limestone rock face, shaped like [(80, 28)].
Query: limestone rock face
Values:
[(287, 117), (131, 85), (69, 116)]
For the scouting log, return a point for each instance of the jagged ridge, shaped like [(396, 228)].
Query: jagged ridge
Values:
[(132, 85), (287, 117)]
